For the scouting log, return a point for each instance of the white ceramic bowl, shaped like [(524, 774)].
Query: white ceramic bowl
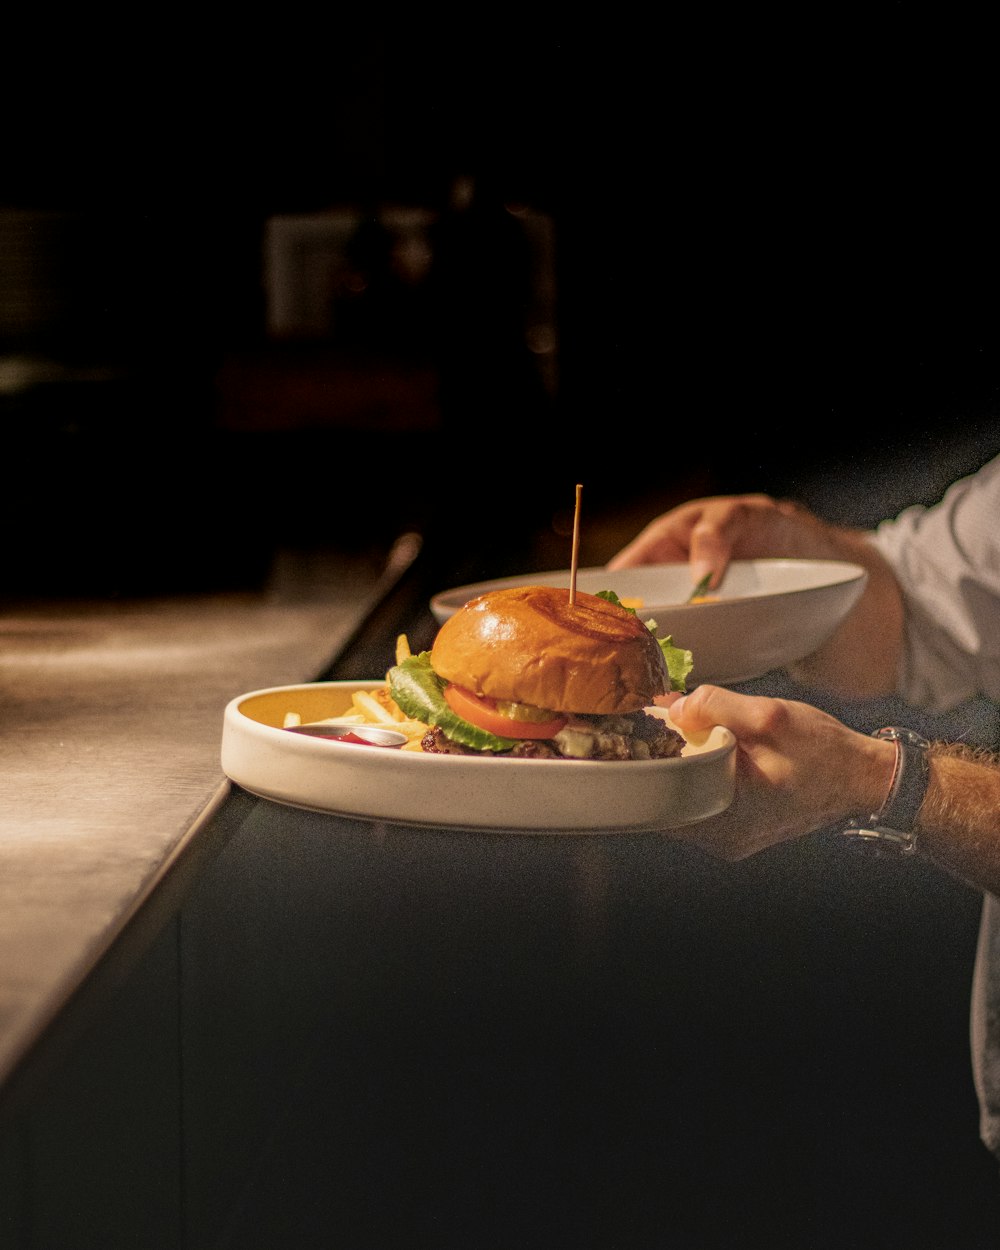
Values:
[(411, 788), (767, 614)]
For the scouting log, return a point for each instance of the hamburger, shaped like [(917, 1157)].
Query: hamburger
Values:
[(525, 673)]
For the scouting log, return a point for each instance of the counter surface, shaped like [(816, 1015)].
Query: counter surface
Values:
[(110, 726)]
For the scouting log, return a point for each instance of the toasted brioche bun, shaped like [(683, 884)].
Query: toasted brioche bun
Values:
[(531, 645)]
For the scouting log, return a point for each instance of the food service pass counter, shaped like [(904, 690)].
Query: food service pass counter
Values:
[(226, 1022)]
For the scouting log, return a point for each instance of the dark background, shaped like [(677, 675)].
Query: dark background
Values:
[(775, 268)]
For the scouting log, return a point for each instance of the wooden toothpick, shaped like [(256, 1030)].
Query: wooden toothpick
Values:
[(576, 546)]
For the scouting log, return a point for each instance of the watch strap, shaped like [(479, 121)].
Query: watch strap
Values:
[(895, 821)]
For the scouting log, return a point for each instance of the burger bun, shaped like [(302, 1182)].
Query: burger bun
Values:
[(529, 644)]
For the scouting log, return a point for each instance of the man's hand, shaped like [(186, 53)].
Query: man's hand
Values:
[(708, 533), (797, 769)]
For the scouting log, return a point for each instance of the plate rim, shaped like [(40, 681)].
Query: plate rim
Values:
[(324, 744), (852, 572)]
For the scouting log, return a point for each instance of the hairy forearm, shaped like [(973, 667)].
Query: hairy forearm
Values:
[(958, 826)]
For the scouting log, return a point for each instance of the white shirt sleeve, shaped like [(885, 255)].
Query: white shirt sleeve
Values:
[(947, 560)]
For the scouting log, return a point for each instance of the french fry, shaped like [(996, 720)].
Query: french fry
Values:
[(372, 708), (377, 707)]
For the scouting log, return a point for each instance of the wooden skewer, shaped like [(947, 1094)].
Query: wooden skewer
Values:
[(576, 546)]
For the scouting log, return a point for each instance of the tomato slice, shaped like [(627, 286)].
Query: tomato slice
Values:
[(482, 712)]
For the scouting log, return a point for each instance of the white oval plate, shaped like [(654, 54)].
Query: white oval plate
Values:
[(768, 614), (455, 791)]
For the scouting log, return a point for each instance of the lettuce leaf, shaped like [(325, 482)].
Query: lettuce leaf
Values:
[(679, 662), (419, 691)]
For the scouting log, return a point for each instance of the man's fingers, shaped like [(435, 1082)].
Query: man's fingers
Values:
[(709, 553)]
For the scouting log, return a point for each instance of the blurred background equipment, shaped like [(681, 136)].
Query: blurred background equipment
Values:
[(456, 283)]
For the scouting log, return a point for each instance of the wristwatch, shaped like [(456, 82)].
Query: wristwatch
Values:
[(893, 824)]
